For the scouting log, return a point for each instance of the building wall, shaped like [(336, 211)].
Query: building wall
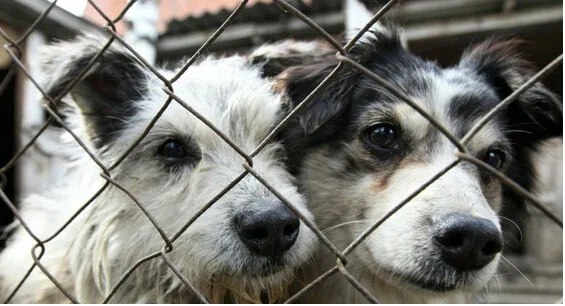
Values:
[(169, 10)]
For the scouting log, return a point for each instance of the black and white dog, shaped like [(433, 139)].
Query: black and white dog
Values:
[(359, 150), (244, 248)]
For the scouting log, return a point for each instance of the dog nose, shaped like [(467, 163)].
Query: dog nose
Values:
[(466, 242), (269, 230)]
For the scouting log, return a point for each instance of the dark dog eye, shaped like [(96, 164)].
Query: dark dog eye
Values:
[(172, 149), (383, 137), (495, 158), (177, 154)]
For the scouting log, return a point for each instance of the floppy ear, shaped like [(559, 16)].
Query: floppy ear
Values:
[(105, 95), (274, 58), (537, 112), (376, 47), (328, 102), (299, 68)]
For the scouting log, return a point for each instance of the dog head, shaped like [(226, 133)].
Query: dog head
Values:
[(360, 151), (244, 245)]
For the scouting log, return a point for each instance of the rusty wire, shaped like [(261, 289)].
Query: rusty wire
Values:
[(13, 48)]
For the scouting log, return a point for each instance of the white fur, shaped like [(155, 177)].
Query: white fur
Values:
[(357, 15), (111, 234)]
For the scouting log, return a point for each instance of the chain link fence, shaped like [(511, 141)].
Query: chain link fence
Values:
[(14, 49)]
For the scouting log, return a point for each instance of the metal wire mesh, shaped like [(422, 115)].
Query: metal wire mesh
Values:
[(13, 48)]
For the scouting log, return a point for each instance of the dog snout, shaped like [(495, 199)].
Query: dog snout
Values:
[(269, 230), (467, 242)]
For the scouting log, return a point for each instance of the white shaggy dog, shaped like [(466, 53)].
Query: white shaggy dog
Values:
[(243, 248)]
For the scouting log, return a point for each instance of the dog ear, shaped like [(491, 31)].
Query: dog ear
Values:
[(299, 67), (328, 102), (537, 112), (276, 57), (105, 95), (332, 100)]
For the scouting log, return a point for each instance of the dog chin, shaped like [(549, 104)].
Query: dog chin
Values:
[(256, 267), (436, 285), (259, 280), (445, 280), (264, 267)]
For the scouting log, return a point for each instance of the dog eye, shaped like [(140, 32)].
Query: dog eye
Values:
[(172, 149), (494, 158), (383, 137)]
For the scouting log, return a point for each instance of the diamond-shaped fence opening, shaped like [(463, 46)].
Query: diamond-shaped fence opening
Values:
[(345, 62)]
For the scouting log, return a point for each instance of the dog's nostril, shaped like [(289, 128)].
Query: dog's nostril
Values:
[(290, 229), (258, 233), (453, 239), (491, 248)]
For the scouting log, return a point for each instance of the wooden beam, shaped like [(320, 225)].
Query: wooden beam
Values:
[(247, 34), (414, 17), (58, 23), (535, 19)]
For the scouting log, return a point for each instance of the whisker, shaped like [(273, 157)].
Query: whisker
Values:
[(497, 279), (331, 228), (518, 131), (514, 223), (513, 266), (504, 274)]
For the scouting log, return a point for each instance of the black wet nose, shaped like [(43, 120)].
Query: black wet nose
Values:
[(467, 242), (269, 230)]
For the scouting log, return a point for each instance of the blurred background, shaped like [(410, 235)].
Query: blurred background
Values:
[(166, 31)]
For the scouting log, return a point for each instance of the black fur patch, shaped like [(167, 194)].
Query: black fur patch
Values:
[(106, 95)]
